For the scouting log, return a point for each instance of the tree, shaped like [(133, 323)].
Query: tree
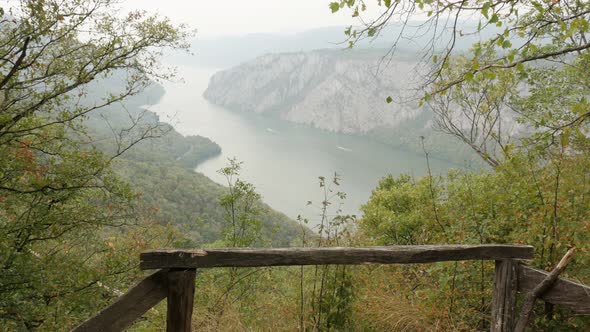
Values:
[(242, 208), (535, 45), (57, 192), (243, 211), (477, 112)]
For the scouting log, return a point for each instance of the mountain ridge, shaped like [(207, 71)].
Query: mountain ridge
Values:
[(331, 90)]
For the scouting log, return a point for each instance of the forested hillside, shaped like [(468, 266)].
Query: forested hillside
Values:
[(160, 170)]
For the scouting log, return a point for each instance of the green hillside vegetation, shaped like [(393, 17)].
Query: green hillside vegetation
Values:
[(191, 202), (520, 202), (106, 124), (161, 170), (80, 197), (88, 181), (70, 228)]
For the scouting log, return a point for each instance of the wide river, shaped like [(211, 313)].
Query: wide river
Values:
[(281, 159)]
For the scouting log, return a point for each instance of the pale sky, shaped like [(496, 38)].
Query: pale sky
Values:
[(235, 17)]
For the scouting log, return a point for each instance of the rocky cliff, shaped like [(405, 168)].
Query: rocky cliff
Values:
[(337, 90)]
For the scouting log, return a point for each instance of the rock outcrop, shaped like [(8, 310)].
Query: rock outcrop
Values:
[(341, 91)]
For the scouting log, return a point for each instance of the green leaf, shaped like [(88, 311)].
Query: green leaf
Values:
[(484, 9), (494, 18), (334, 6), (510, 57), (489, 74)]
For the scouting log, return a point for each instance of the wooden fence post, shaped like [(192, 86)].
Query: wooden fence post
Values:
[(181, 291), (504, 296)]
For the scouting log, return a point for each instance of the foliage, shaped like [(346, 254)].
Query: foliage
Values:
[(69, 226), (531, 30), (284, 299), (519, 100), (521, 202), (242, 228), (242, 208), (183, 198), (528, 71), (328, 291), (160, 170)]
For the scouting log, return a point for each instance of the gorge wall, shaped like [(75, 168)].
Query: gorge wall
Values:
[(337, 90)]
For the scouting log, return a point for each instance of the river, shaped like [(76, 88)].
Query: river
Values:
[(281, 159)]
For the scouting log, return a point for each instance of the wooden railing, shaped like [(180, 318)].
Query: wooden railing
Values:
[(175, 279)]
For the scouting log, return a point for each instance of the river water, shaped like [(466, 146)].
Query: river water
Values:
[(281, 159)]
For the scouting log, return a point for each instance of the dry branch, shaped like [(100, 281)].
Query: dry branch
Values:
[(541, 288)]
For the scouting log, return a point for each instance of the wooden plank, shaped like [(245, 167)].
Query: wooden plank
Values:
[(181, 291), (564, 292), (155, 259), (504, 296), (128, 307)]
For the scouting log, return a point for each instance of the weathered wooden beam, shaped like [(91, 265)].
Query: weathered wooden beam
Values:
[(130, 306), (181, 291), (504, 296), (155, 259), (564, 292)]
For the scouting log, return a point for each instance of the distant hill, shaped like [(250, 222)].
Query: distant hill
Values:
[(225, 52)]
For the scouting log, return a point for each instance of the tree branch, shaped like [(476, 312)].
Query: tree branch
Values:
[(19, 61), (541, 288)]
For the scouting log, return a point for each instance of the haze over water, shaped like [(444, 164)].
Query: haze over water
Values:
[(281, 159)]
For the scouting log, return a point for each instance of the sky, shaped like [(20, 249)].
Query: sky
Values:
[(214, 18)]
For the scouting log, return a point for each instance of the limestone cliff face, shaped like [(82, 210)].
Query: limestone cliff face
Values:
[(333, 90)]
